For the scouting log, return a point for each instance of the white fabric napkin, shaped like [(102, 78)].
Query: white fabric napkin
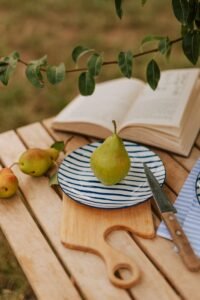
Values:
[(188, 211)]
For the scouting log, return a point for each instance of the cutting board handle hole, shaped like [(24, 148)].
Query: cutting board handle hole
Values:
[(124, 275), (123, 269)]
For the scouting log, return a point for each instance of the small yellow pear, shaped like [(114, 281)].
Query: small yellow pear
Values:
[(35, 162), (8, 183)]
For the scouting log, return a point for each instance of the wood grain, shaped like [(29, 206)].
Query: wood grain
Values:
[(161, 251), (198, 141), (175, 173), (62, 136), (153, 284), (79, 231), (39, 263), (87, 270), (188, 162)]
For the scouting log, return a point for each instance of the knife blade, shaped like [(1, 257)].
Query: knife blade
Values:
[(167, 211)]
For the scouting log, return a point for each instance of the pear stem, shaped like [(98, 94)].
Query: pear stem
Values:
[(115, 126), (13, 164)]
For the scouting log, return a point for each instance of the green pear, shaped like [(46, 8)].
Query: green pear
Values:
[(110, 161), (8, 183), (35, 162), (53, 153)]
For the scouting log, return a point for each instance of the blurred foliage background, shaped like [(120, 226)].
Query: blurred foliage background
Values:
[(35, 28)]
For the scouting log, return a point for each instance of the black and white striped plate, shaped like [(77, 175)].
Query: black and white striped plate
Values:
[(78, 181)]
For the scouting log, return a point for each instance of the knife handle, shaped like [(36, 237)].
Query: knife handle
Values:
[(186, 252)]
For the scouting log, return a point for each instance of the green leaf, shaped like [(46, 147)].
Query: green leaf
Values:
[(34, 75), (151, 38), (86, 84), (6, 75), (164, 46), (41, 62), (11, 62), (191, 46), (184, 30), (197, 23), (192, 11), (3, 63), (94, 64), (56, 74), (181, 10), (197, 15), (118, 8), (53, 180), (3, 66), (125, 62), (59, 145), (153, 74), (33, 71), (79, 51)]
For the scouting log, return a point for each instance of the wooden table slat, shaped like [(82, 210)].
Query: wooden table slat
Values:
[(188, 163), (39, 263), (160, 250), (62, 136), (198, 141), (152, 272), (175, 173), (162, 253), (134, 250), (161, 266), (87, 270)]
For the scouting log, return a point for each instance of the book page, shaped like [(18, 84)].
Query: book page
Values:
[(166, 105), (110, 101)]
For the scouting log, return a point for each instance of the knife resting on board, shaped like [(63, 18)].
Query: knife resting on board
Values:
[(167, 212)]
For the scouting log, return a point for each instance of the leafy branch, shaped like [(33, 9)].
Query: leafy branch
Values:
[(112, 62), (187, 12)]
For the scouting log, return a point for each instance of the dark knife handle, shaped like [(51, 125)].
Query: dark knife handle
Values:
[(181, 241)]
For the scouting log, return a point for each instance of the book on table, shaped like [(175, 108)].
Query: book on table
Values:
[(167, 118)]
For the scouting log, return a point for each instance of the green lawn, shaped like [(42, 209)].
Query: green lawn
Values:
[(35, 28)]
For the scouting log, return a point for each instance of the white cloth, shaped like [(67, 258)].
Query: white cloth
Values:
[(188, 211)]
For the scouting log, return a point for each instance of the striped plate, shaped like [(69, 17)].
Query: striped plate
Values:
[(198, 188), (78, 181)]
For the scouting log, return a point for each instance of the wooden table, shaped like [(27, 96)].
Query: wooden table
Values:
[(31, 223)]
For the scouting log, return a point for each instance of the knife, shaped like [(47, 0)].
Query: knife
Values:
[(167, 211)]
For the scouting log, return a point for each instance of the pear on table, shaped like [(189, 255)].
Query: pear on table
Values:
[(110, 161), (36, 162), (8, 183)]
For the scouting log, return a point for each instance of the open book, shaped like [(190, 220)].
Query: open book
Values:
[(168, 117)]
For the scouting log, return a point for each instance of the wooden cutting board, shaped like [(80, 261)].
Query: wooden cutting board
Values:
[(85, 228)]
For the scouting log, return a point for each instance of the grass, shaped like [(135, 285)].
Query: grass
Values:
[(13, 284), (35, 28)]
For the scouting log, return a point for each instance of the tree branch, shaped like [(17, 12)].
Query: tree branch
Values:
[(110, 62)]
